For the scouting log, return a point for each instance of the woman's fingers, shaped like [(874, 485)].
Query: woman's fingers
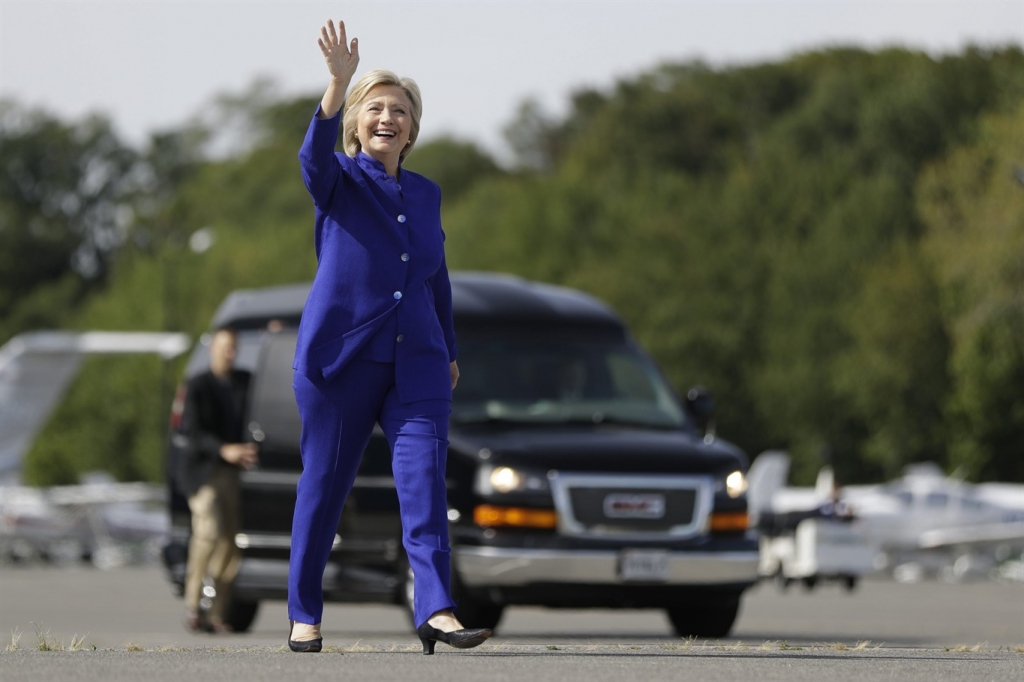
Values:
[(331, 38), (342, 38)]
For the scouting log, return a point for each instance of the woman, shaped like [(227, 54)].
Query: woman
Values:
[(376, 342)]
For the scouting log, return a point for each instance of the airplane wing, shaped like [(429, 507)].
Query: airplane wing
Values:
[(37, 367), (980, 534)]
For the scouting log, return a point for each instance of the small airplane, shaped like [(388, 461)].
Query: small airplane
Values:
[(921, 524), (99, 521)]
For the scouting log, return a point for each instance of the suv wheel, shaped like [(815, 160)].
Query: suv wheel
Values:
[(475, 610), (478, 613), (471, 611), (242, 614), (713, 619)]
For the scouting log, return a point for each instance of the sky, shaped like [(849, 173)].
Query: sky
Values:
[(151, 65)]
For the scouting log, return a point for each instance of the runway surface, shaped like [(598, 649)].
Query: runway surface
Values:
[(126, 625)]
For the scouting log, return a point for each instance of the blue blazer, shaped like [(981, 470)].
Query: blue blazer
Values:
[(381, 290)]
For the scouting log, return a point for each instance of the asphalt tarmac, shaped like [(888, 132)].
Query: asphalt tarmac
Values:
[(124, 624)]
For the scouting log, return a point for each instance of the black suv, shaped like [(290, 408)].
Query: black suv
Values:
[(576, 477)]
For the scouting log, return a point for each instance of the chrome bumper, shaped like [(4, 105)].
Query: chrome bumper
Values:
[(490, 566)]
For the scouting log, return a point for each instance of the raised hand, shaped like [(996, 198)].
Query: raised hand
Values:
[(342, 58)]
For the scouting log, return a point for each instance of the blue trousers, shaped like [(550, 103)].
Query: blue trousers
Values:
[(337, 421)]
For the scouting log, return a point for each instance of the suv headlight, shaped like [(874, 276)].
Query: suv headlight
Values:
[(735, 484), (504, 479)]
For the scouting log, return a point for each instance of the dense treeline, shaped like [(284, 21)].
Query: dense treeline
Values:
[(834, 244)]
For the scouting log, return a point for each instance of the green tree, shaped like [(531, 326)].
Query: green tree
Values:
[(973, 206), (453, 164), (63, 212)]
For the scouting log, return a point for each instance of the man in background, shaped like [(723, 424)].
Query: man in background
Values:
[(213, 423)]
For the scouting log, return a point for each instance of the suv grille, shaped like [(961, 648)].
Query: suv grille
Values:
[(641, 507)]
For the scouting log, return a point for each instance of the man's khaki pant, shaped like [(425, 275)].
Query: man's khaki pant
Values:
[(212, 550)]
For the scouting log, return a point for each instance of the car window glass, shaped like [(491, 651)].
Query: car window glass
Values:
[(561, 380)]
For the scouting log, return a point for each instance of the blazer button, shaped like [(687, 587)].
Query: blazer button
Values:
[(405, 257), (398, 295), (401, 218), (400, 338)]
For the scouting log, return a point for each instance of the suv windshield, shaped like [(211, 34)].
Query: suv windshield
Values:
[(561, 381)]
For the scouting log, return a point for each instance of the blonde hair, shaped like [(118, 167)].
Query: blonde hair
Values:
[(359, 91)]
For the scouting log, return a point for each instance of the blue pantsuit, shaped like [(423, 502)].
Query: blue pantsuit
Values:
[(345, 411), (374, 345)]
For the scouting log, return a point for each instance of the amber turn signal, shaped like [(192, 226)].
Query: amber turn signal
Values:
[(729, 522), (491, 516)]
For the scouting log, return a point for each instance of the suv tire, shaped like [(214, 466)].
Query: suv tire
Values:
[(242, 614), (478, 613), (712, 619), (472, 611)]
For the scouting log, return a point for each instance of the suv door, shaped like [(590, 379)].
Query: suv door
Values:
[(367, 548)]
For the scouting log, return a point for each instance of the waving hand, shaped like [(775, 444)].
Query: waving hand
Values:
[(341, 59)]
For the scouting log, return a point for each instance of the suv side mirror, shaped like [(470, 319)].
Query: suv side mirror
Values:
[(701, 405)]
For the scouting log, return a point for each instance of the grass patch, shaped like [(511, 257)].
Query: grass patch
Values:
[(688, 643), (15, 638), (332, 649), (132, 646), (45, 641), (967, 649), (78, 643), (837, 646), (737, 646)]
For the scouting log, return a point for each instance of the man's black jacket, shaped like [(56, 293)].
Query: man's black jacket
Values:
[(214, 415)]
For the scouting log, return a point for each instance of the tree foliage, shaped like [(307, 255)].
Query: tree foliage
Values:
[(63, 212)]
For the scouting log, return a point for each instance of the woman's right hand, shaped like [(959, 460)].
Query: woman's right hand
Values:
[(342, 59)]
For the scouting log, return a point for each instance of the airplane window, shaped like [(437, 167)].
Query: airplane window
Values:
[(971, 504), (935, 500)]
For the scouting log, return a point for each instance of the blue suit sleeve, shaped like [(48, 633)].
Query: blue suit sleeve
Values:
[(320, 167), (442, 288)]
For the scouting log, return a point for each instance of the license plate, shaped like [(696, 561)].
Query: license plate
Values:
[(648, 565)]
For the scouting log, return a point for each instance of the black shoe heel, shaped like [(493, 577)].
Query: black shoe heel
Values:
[(428, 646), (307, 646), (465, 638)]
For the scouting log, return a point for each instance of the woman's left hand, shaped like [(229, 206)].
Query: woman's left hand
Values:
[(455, 373)]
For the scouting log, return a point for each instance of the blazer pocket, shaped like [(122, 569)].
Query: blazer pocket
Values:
[(334, 355)]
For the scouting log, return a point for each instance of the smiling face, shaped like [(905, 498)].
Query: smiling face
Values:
[(384, 124)]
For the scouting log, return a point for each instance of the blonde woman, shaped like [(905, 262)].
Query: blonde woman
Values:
[(376, 343)]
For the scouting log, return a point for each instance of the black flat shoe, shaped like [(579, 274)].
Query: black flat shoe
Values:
[(306, 646), (465, 638)]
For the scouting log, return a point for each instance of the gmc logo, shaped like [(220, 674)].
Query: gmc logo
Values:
[(634, 506)]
